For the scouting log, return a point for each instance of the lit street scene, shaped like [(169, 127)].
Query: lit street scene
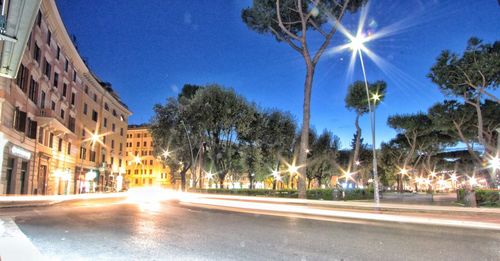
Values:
[(249, 130)]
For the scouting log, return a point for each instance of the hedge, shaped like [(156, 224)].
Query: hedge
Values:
[(484, 197), (324, 194)]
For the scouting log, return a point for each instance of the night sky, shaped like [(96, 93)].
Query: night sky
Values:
[(149, 49)]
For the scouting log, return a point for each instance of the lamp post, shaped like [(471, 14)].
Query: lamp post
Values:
[(357, 45)]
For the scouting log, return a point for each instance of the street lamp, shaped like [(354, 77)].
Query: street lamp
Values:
[(357, 46)]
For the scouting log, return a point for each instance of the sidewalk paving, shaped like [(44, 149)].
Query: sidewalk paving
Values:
[(14, 244)]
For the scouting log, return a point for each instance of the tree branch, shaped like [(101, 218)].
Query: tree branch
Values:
[(329, 36), (281, 25), (292, 44)]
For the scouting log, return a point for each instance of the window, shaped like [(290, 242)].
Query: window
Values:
[(68, 150), (19, 120), (138, 144), (73, 97), (85, 108), (83, 133), (105, 123), (58, 55), (39, 19), (151, 163), (136, 172), (71, 124), (121, 131), (74, 76), (22, 78), (83, 153), (94, 115), (36, 53), (114, 113), (113, 127), (119, 162), (92, 156), (145, 144), (56, 80), (86, 89), (136, 181), (51, 140), (66, 65), (112, 144), (42, 100), (53, 105), (95, 97), (59, 145), (31, 132), (138, 135), (121, 147), (62, 114), (33, 91), (65, 89), (106, 107), (104, 139), (40, 135), (47, 69), (49, 37)]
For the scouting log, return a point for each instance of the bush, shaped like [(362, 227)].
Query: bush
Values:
[(324, 194), (484, 197)]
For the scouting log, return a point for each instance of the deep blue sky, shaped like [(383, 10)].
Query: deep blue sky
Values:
[(149, 49)]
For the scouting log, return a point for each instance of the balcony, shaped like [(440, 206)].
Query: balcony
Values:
[(49, 119)]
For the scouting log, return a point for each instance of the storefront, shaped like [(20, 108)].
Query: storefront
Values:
[(16, 172)]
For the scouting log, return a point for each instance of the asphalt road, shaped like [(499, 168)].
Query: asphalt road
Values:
[(167, 230)]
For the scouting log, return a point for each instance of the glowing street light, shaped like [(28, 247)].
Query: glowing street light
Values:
[(454, 177), (494, 162), (137, 159), (376, 97), (209, 175), (166, 153), (472, 180)]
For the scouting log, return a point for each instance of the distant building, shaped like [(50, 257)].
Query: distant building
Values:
[(143, 168), (50, 108)]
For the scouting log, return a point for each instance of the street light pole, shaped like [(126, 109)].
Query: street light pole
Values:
[(372, 120)]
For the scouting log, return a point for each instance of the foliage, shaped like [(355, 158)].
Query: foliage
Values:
[(289, 21), (484, 197), (471, 74), (322, 194)]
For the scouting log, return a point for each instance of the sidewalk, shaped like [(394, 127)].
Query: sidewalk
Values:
[(14, 245), (41, 201)]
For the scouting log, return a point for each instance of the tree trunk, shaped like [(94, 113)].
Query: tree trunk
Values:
[(183, 180), (304, 136), (470, 198), (357, 144)]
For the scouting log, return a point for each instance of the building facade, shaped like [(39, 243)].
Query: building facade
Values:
[(62, 129), (143, 168)]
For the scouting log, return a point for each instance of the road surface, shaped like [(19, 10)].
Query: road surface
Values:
[(116, 229)]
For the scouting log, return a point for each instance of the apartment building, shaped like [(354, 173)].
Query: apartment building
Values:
[(62, 129), (143, 168)]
